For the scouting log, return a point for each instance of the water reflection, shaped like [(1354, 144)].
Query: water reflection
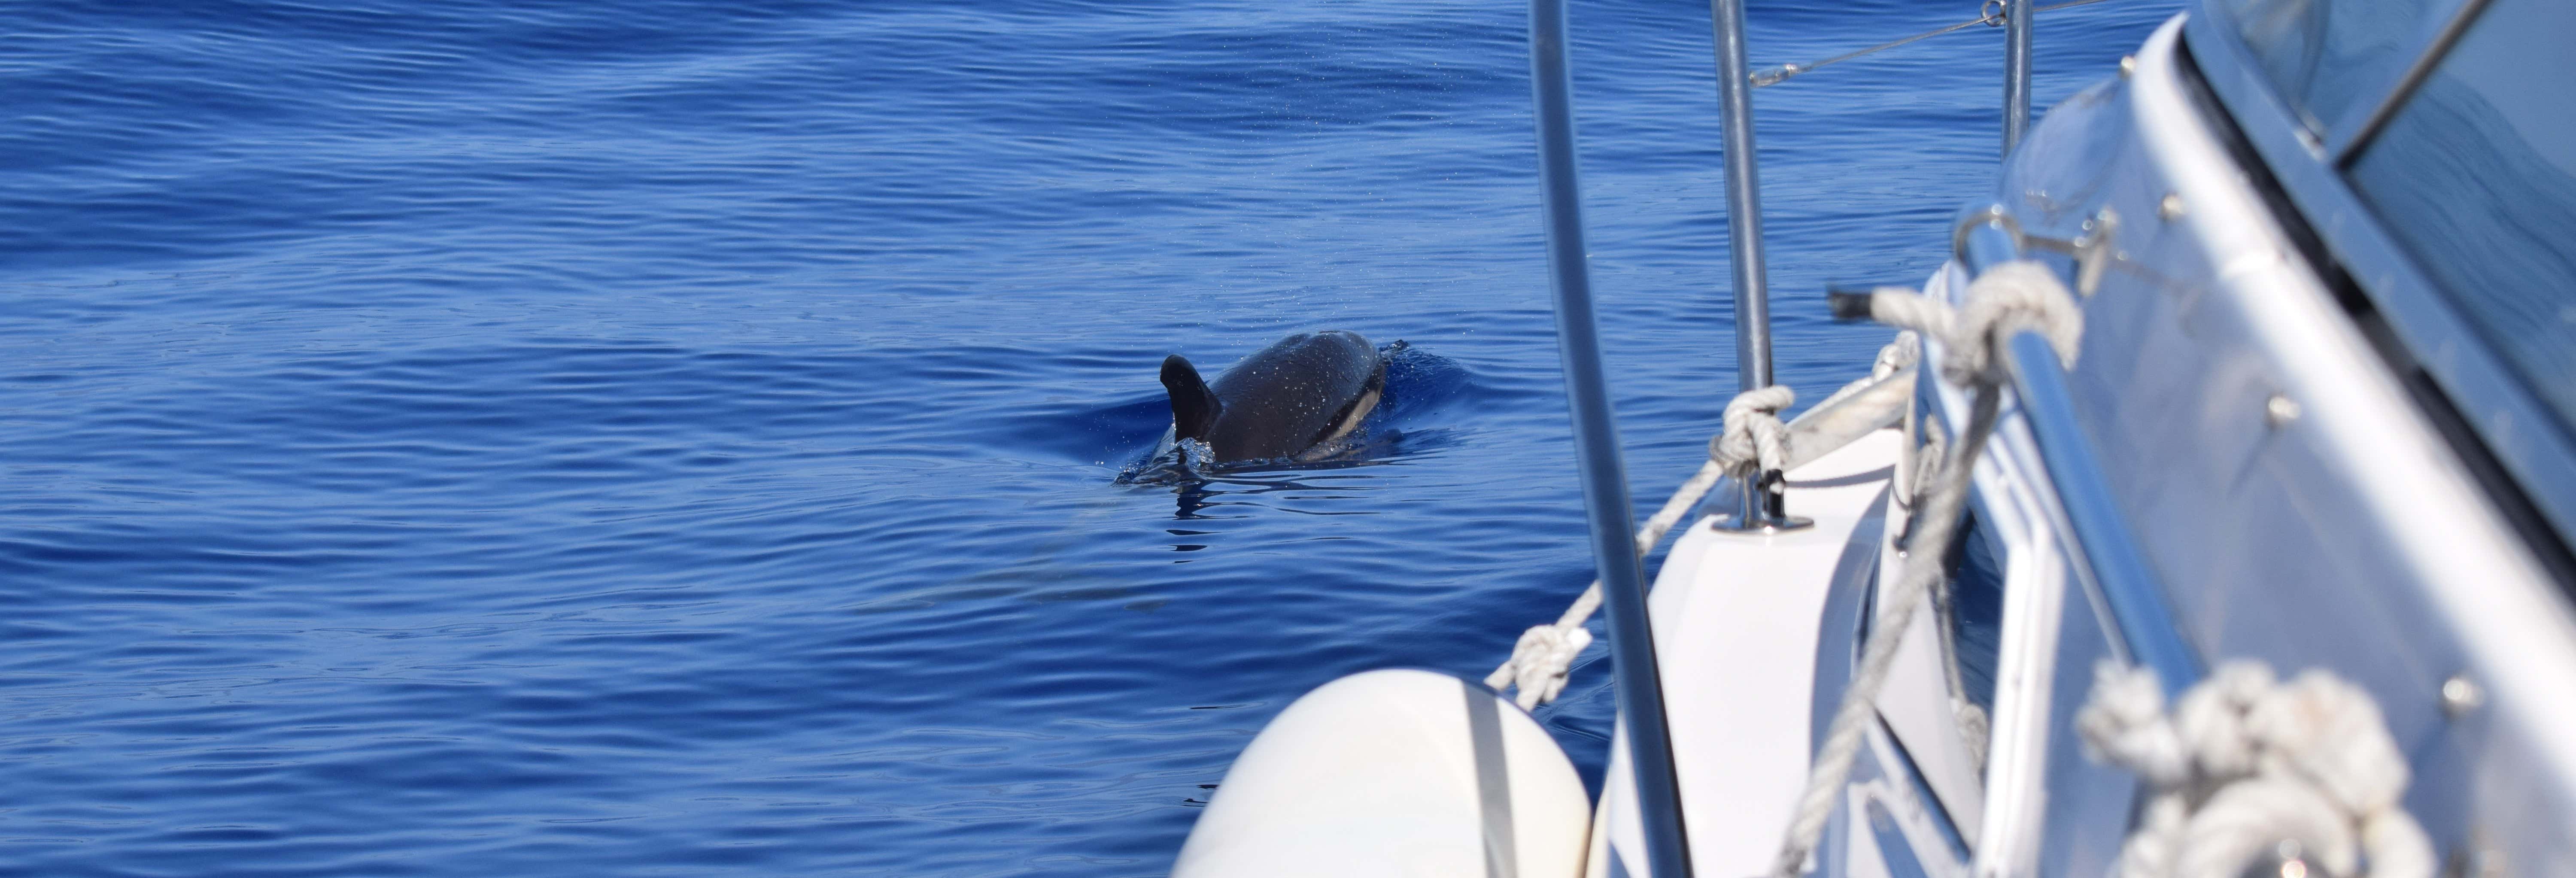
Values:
[(1194, 498)]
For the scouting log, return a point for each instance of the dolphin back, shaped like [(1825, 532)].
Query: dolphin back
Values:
[(1292, 395)]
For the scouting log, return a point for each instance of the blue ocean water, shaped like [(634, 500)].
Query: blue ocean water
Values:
[(650, 438)]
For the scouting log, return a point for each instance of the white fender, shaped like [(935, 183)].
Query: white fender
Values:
[(1395, 773)]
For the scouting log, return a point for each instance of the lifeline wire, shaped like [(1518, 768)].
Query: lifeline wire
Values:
[(1773, 75)]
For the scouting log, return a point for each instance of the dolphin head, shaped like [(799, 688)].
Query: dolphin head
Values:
[(1282, 401)]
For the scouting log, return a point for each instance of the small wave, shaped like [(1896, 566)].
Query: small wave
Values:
[(1184, 462), (1098, 434), (1420, 384)]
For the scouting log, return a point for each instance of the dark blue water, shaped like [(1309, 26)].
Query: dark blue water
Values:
[(674, 439)]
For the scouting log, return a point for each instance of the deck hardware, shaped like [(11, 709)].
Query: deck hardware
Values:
[(1770, 515), (1760, 503), (1990, 236), (1767, 519), (1964, 236), (2280, 410), (2476, 857), (2128, 66), (2308, 140), (2170, 208), (2093, 251), (2461, 696)]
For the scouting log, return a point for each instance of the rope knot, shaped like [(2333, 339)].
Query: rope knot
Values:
[(2005, 300), (1755, 442), (1899, 354), (2245, 762), (1541, 661)]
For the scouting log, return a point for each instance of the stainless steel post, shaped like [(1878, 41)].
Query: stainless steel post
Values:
[(1596, 444), (1743, 200), (1744, 240), (2017, 15)]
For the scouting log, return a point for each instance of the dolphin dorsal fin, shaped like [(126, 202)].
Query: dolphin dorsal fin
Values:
[(1194, 406)]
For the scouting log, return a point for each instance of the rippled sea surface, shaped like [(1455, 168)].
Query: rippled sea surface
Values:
[(673, 439)]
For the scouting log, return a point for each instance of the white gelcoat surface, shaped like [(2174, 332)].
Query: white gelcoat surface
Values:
[(1735, 631), (1916, 699), (1916, 704)]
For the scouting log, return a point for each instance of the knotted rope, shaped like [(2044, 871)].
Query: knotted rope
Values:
[(1545, 653), (2008, 298), (1753, 445), (2244, 763)]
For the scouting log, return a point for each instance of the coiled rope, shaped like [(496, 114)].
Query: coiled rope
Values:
[(2245, 762)]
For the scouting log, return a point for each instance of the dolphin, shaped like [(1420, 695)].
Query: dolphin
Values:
[(1288, 400)]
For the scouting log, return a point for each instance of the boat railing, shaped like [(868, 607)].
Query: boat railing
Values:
[(2115, 566), (1596, 444), (2091, 529), (2015, 16)]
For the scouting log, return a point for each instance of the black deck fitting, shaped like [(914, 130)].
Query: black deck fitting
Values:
[(1848, 304)]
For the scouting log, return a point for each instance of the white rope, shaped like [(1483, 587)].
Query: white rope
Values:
[(2308, 761), (2006, 299), (1940, 514), (1545, 653), (1754, 442), (1973, 729), (1898, 355), (1927, 467)]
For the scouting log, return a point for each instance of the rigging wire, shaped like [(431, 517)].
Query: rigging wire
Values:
[(1995, 18)]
